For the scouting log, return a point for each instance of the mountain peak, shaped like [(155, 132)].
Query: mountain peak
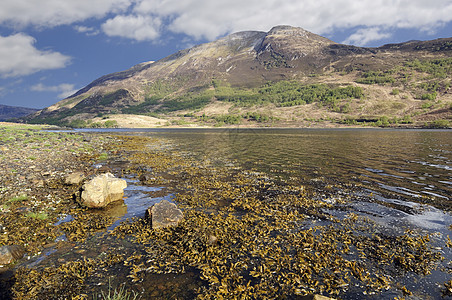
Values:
[(287, 30)]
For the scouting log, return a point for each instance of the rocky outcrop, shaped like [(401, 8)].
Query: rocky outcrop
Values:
[(164, 214), (102, 190), (8, 254)]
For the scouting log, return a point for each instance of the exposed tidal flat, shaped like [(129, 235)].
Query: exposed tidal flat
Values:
[(349, 214)]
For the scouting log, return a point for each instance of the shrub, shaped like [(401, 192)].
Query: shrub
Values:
[(229, 119), (77, 124), (429, 96), (376, 77), (439, 124), (111, 124), (395, 92)]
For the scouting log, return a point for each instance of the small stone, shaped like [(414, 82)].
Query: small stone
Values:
[(164, 214), (74, 178), (8, 254), (38, 182), (212, 239)]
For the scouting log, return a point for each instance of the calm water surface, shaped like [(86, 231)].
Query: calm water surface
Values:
[(412, 165)]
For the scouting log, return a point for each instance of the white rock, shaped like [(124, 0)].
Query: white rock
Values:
[(102, 190)]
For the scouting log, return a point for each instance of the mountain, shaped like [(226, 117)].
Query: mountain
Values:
[(287, 76), (10, 112)]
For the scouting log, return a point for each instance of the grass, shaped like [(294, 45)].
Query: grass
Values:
[(117, 294), (18, 199), (38, 216), (103, 156)]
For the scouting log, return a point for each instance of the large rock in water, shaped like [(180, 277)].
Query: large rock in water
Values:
[(8, 254), (102, 190), (164, 214)]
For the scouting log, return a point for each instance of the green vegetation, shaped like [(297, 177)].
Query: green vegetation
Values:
[(160, 89), (118, 294), (91, 104), (377, 77), (38, 216), (259, 117), (439, 124), (235, 119), (427, 105), (438, 68), (111, 124), (191, 102), (18, 199), (395, 92), (433, 74), (429, 96), (382, 121), (289, 93), (103, 156), (282, 93), (229, 119), (89, 124)]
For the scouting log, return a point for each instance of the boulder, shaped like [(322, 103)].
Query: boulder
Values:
[(8, 254), (74, 178), (164, 214), (102, 190)]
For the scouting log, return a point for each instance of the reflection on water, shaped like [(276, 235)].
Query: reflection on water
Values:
[(412, 165)]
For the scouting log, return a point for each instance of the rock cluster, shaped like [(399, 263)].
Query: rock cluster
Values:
[(102, 190)]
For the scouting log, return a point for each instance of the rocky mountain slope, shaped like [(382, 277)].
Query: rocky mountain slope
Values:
[(9, 112), (287, 77)]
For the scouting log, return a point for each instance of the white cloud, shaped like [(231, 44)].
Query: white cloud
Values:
[(211, 19), (137, 27), (64, 89), (19, 57), (48, 13), (143, 20), (365, 35), (90, 31)]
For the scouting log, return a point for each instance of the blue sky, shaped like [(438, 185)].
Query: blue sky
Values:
[(51, 48)]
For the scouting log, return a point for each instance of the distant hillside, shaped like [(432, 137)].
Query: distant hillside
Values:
[(10, 112), (285, 77)]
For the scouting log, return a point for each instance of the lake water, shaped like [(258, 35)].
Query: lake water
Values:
[(393, 165)]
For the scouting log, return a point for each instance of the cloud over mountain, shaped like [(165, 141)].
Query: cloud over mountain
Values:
[(211, 19), (148, 19)]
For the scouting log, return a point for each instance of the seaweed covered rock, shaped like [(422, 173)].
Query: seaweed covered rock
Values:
[(8, 254), (102, 190), (164, 214)]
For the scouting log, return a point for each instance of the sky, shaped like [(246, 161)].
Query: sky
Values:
[(49, 49)]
